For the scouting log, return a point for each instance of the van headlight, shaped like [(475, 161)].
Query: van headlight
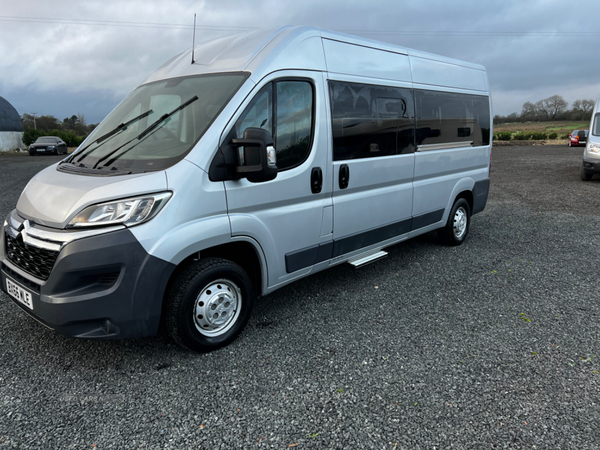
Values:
[(129, 211), (593, 147)]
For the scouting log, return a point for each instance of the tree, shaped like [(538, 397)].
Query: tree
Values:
[(47, 123), (582, 109), (529, 111), (70, 122), (552, 106)]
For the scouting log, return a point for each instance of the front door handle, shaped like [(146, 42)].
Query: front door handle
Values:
[(316, 180), (344, 176)]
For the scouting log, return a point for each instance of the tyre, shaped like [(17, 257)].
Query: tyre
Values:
[(208, 304), (32, 152), (584, 175), (457, 227)]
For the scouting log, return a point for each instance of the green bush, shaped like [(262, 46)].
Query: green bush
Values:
[(519, 136), (564, 136), (552, 136), (502, 136), (538, 135), (70, 138), (31, 134)]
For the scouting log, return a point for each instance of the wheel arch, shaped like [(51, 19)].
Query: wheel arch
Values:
[(243, 251)]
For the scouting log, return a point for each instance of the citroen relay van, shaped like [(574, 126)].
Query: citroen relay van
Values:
[(591, 154), (270, 156)]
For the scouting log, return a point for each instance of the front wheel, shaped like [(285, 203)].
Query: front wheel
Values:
[(457, 227), (584, 175), (209, 304)]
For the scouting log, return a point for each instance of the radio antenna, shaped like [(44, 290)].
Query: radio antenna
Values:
[(194, 39)]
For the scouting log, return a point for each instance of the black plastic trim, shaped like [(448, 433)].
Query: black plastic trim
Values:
[(308, 257), (480, 195), (367, 238), (315, 254), (101, 287), (591, 166), (427, 219)]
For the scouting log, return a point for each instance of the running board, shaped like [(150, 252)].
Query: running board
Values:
[(356, 263)]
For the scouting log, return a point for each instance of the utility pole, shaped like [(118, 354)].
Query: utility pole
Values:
[(34, 125)]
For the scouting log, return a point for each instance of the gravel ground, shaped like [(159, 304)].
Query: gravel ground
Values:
[(493, 344)]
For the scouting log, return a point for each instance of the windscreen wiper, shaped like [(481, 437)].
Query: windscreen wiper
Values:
[(111, 133), (166, 116), (144, 133)]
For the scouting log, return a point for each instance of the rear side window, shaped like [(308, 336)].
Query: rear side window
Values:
[(370, 121), (285, 109), (446, 117)]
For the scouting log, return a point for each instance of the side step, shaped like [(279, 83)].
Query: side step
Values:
[(356, 263)]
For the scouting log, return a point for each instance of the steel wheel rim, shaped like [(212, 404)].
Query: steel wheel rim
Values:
[(459, 225), (217, 307)]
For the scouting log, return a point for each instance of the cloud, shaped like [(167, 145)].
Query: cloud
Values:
[(530, 49)]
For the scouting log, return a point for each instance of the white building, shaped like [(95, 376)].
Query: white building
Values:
[(11, 128)]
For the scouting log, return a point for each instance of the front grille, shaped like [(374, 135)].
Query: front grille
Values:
[(24, 281), (35, 261)]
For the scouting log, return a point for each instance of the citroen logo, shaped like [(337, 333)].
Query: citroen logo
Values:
[(23, 229)]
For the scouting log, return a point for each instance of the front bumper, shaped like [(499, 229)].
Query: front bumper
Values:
[(591, 166), (100, 287)]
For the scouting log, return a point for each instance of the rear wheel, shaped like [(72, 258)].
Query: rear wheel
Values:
[(457, 227), (209, 304), (584, 175)]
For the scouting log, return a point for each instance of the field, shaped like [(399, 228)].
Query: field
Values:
[(561, 127)]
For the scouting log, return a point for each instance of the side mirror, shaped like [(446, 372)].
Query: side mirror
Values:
[(256, 155)]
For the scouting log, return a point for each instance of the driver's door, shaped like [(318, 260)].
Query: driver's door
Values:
[(289, 218)]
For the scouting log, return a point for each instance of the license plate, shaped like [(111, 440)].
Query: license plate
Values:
[(41, 150), (20, 294)]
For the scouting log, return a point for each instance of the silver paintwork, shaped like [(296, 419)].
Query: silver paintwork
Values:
[(53, 198), (589, 156), (217, 307), (282, 215)]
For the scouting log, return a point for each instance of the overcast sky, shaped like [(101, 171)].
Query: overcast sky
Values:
[(65, 57)]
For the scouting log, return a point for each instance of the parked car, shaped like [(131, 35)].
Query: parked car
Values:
[(48, 144), (577, 138), (591, 154)]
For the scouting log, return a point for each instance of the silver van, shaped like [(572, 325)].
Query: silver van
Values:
[(268, 157), (591, 154)]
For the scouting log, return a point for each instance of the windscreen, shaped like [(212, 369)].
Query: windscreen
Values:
[(596, 127), (158, 123)]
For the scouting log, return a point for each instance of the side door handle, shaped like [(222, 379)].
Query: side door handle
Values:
[(344, 176), (316, 180)]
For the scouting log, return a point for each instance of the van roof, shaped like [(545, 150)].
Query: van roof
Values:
[(266, 50)]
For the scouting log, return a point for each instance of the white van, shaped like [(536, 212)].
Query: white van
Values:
[(272, 156), (591, 154)]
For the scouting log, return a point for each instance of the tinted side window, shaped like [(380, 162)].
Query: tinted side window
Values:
[(444, 117), (258, 114), (370, 121), (294, 122), (596, 127), (285, 109)]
